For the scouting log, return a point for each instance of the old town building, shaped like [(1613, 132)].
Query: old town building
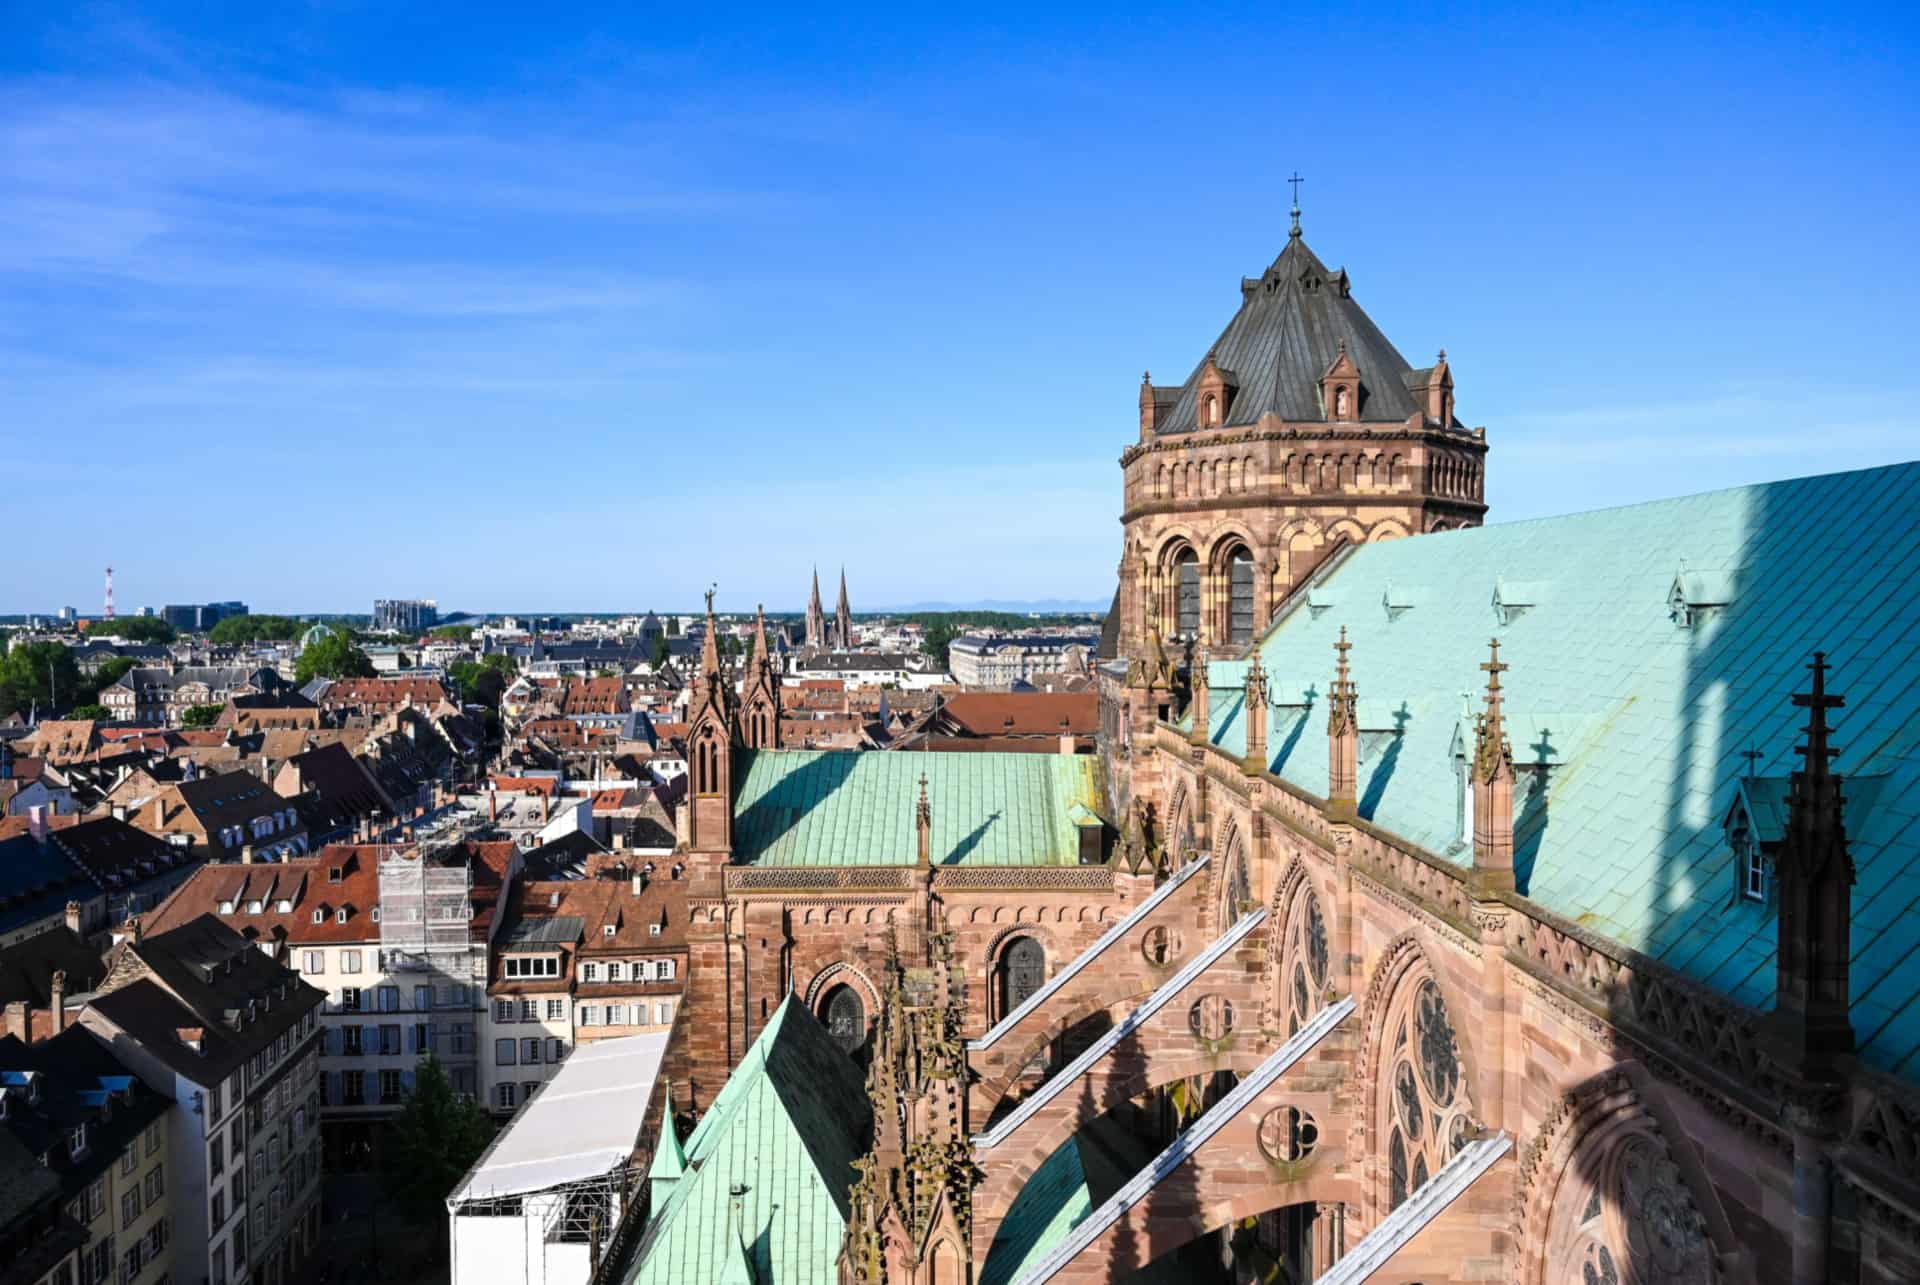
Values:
[(1512, 903)]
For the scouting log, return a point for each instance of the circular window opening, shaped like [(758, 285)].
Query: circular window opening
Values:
[(1211, 1017), (1160, 945), (1288, 1135)]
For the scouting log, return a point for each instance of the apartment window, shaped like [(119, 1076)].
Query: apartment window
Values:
[(389, 1040), (616, 1015), (503, 1052), (589, 1015), (350, 1041), (153, 1138), (349, 960), (666, 1014), (155, 1185), (530, 1052), (423, 998), (133, 1260), (556, 1049), (556, 1010), (533, 966), (422, 1038), (214, 1109), (528, 1088), (664, 970), (589, 972), (503, 1010), (616, 971), (97, 1264), (389, 1086), (219, 1211), (504, 1096), (129, 1161), (129, 1207), (156, 1238), (353, 1088), (219, 1265), (529, 1010), (389, 999), (316, 963), (461, 1038), (350, 999)]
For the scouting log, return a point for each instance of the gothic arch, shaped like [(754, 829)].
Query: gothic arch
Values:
[(1232, 878), (1349, 530), (1418, 1072), (1299, 951), (1179, 831), (1010, 952), (1609, 1191), (841, 973)]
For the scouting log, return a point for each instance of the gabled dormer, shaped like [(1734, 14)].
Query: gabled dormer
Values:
[(1698, 596), (1340, 389), (1213, 396)]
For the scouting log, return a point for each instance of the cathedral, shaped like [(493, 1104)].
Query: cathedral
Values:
[(1446, 902)]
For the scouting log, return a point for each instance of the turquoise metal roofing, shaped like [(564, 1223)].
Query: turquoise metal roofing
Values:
[(1053, 1201), (787, 1127), (852, 808), (1645, 725)]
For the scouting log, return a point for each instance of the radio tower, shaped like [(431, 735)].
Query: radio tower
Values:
[(109, 612)]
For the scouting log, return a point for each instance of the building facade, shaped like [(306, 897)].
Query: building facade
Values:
[(1001, 660), (405, 615)]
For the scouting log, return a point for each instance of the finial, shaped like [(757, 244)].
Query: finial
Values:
[(1146, 377), (1443, 357), (1296, 181), (1343, 345), (710, 592), (1343, 647)]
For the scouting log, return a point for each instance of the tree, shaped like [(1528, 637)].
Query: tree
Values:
[(482, 682), (42, 674), (200, 715), (939, 637), (139, 629), (433, 1142), (98, 713), (334, 656), (459, 633), (659, 650), (244, 629)]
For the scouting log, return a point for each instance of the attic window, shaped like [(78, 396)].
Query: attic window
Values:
[(340, 915), (376, 914), (284, 905), (1698, 596), (254, 906), (319, 916), (334, 874), (1398, 601), (606, 930), (226, 907), (1513, 599)]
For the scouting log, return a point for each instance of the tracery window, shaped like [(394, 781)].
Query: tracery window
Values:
[(1426, 1112), (1625, 1217), (1187, 594), (1304, 957), (847, 1018)]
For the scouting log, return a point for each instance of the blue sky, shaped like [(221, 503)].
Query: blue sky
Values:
[(541, 308)]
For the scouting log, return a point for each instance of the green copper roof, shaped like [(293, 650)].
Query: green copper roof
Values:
[(669, 1159), (1052, 1202), (849, 808), (1644, 724), (786, 1127)]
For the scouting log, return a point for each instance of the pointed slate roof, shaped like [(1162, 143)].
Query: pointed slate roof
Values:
[(787, 1128), (1287, 333), (1645, 722)]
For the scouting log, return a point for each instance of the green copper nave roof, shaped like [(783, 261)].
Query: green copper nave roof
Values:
[(786, 1127), (1646, 727), (852, 808)]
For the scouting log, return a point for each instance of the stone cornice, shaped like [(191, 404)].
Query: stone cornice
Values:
[(1273, 429), (1263, 498)]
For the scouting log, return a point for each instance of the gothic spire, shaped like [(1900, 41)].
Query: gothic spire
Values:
[(669, 1159), (1814, 991), (843, 615), (1492, 785)]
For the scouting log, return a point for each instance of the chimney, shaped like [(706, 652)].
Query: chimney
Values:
[(1066, 743), (1255, 761), (1492, 780), (1343, 739), (58, 1002), (639, 883), (73, 917), (37, 823)]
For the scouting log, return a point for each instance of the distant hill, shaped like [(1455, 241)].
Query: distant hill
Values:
[(1037, 606)]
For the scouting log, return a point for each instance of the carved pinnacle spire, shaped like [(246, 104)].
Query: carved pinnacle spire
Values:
[(1814, 799), (1342, 711), (1491, 753)]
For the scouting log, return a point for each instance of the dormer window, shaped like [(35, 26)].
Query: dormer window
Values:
[(340, 915), (1698, 596), (1340, 388), (376, 914), (77, 1140), (1750, 865), (253, 907), (319, 916), (226, 907), (1210, 411), (284, 906)]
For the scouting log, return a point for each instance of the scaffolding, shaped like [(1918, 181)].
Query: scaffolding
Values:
[(426, 909)]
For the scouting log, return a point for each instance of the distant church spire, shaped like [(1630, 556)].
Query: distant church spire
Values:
[(816, 615), (843, 616), (1296, 181)]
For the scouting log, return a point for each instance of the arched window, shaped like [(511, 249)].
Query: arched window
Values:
[(1304, 960), (1425, 1112), (1023, 969), (1209, 411), (1187, 601), (846, 1018), (1342, 402), (1240, 595)]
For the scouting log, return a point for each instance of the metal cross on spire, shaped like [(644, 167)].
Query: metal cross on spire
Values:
[(1296, 181)]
